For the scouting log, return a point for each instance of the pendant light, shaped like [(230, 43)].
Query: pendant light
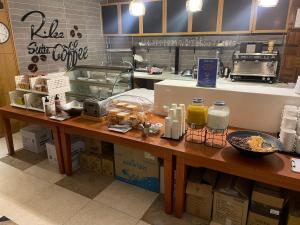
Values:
[(194, 5), (267, 3), (137, 8)]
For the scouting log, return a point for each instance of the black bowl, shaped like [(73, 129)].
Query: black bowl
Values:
[(244, 134)]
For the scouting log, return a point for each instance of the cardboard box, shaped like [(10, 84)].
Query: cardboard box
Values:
[(75, 148), (231, 200), (137, 168), (108, 166), (266, 207), (35, 137), (91, 162), (199, 193), (93, 145), (294, 210)]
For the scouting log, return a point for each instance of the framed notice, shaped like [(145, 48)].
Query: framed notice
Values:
[(207, 72)]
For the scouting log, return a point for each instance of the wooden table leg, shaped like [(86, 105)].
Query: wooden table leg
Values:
[(8, 135), (57, 143), (66, 150), (180, 186), (168, 177)]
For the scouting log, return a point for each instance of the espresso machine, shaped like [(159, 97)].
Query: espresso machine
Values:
[(255, 66)]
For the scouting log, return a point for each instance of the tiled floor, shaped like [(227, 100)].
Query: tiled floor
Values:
[(33, 192)]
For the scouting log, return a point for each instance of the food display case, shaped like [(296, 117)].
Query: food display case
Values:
[(98, 82)]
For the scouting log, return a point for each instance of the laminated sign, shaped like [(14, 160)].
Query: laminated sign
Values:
[(207, 72)]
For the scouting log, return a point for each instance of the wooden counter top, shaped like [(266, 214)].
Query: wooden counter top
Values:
[(274, 169)]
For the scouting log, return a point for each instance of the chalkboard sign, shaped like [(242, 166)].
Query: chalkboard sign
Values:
[(152, 21), (206, 20), (236, 15), (272, 18), (207, 72), (177, 16), (130, 24), (110, 19)]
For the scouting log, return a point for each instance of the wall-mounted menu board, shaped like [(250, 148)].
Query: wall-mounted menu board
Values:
[(206, 20), (273, 18), (110, 19), (152, 20), (236, 15), (177, 16), (130, 24)]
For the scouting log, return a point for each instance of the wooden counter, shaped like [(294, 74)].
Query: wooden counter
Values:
[(7, 113), (273, 169)]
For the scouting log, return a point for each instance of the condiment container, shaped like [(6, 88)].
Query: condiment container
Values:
[(197, 113), (182, 106), (57, 105), (47, 107), (218, 116)]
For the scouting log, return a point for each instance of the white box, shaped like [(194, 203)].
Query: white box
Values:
[(35, 137), (76, 147)]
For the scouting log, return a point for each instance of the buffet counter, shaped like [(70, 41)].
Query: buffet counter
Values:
[(274, 169), (255, 106)]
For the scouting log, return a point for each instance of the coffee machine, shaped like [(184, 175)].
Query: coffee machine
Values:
[(257, 65)]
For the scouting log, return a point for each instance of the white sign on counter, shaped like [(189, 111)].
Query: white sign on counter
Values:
[(297, 21)]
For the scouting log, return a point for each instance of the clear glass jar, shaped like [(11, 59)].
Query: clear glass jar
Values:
[(197, 113), (218, 116)]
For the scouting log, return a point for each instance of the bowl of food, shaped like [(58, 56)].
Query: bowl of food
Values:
[(73, 108), (254, 143)]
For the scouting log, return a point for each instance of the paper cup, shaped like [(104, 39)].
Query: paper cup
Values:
[(287, 138), (289, 123)]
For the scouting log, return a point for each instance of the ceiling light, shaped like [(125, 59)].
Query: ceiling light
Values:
[(194, 5), (137, 8), (267, 3)]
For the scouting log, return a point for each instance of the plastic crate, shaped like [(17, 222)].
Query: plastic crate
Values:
[(16, 98), (50, 84)]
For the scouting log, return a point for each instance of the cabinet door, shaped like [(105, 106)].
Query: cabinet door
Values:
[(236, 15), (273, 18), (206, 20), (110, 19), (130, 24), (177, 16), (152, 20)]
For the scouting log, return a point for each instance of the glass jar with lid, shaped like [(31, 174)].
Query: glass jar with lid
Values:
[(197, 113), (218, 116)]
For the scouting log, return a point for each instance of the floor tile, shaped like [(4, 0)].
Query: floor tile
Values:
[(8, 171), (99, 214), (56, 204), (127, 198), (23, 159), (20, 214), (156, 216), (86, 183), (45, 171), (21, 187), (17, 144), (6, 221), (142, 223)]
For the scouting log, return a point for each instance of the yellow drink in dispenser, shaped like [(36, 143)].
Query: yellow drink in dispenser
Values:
[(197, 113)]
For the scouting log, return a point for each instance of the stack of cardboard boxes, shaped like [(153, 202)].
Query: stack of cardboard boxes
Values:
[(35, 137), (98, 157), (225, 200), (267, 205), (199, 193), (137, 167)]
